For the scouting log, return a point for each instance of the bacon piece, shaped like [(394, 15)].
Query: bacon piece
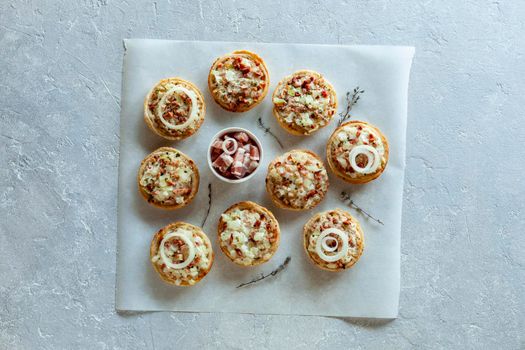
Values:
[(254, 152), (238, 169), (246, 162), (215, 153), (252, 166), (247, 147), (241, 137), (223, 163), (217, 144)]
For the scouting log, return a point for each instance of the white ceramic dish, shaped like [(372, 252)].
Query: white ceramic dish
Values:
[(226, 131)]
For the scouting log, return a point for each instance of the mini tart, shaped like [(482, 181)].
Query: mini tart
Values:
[(304, 102), (248, 234), (168, 178), (181, 254), (343, 156), (328, 235), (238, 81), (297, 180), (174, 109)]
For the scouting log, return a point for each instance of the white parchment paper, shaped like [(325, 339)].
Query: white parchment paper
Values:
[(370, 289)]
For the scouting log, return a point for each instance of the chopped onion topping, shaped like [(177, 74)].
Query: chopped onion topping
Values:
[(372, 156), (229, 140), (191, 251), (321, 246)]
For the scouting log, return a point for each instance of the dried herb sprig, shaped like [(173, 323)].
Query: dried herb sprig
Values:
[(267, 130), (351, 100), (263, 276), (209, 206), (345, 197)]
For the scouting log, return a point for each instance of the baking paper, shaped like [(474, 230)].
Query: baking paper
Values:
[(369, 289)]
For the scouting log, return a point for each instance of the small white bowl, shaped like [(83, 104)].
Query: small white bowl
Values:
[(226, 131)]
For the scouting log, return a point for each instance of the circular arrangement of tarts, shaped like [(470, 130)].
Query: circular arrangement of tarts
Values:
[(174, 109), (333, 240), (168, 178), (181, 254), (297, 180), (357, 152), (304, 102), (238, 81), (248, 234)]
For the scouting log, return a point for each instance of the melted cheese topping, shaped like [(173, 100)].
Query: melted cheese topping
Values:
[(238, 80), (173, 107), (304, 102), (247, 236), (334, 219), (298, 179), (349, 136), (168, 178), (177, 251)]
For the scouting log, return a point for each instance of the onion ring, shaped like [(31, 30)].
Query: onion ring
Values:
[(372, 157), (168, 261), (162, 104), (322, 243), (225, 147)]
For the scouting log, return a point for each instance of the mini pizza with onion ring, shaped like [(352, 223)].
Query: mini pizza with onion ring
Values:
[(357, 152), (181, 254), (174, 109), (333, 240)]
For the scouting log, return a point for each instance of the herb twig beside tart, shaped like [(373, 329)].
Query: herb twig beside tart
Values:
[(304, 102), (248, 234), (174, 109), (357, 152), (351, 101), (181, 254), (238, 81), (168, 178), (297, 180), (333, 240)]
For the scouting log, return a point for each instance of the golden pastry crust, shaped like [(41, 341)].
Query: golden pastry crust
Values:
[(240, 103), (315, 190), (348, 175), (153, 120), (203, 259), (189, 191), (266, 245), (344, 222), (319, 120)]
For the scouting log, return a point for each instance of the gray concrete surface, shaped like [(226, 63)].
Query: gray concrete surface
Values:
[(463, 239)]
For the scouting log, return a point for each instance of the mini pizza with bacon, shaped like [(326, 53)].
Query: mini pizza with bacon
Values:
[(235, 155), (238, 81), (168, 178), (297, 180), (174, 109), (248, 234), (333, 240), (304, 102), (357, 152), (181, 254)]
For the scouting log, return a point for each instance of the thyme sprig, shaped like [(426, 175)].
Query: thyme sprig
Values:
[(351, 100), (345, 197), (209, 206), (267, 130), (263, 276)]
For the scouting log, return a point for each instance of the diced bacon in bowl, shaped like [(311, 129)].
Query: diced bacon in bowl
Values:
[(234, 154)]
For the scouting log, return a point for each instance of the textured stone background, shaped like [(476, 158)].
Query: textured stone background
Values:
[(463, 240)]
